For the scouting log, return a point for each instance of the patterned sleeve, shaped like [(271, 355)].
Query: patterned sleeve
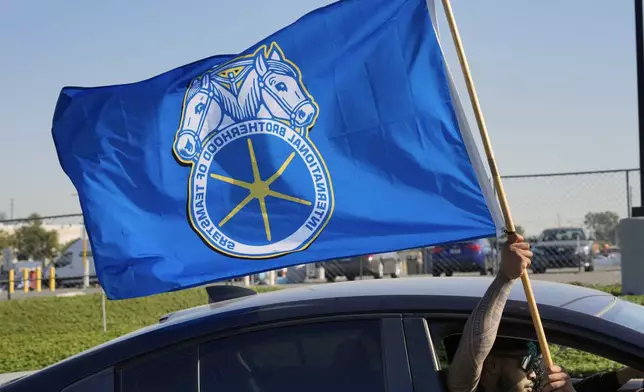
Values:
[(478, 337)]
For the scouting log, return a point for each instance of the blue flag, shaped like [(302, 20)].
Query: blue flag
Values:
[(339, 135)]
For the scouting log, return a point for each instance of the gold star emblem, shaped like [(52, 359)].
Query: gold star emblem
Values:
[(259, 189)]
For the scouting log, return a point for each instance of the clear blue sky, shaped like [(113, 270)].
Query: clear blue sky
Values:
[(556, 79)]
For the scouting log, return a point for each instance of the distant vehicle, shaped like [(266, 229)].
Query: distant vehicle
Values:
[(298, 274), (563, 247), (18, 274), (69, 268), (611, 251), (609, 257), (468, 256), (386, 335), (376, 265)]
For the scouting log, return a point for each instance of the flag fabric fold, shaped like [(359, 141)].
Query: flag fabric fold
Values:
[(340, 135)]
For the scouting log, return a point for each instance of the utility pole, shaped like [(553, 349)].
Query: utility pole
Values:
[(639, 47), (85, 264), (11, 203)]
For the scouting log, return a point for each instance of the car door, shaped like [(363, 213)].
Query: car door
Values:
[(339, 354)]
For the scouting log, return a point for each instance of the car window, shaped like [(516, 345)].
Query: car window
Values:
[(563, 235), (64, 260), (102, 381), (171, 370), (579, 364), (333, 356)]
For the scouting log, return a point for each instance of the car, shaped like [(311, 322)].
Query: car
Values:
[(376, 265), (563, 247), (609, 258), (70, 267), (467, 256), (373, 335)]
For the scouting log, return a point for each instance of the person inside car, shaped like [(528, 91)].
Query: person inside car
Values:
[(481, 362), (517, 364)]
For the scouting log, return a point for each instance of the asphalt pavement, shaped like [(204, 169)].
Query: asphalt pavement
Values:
[(601, 276), (19, 294)]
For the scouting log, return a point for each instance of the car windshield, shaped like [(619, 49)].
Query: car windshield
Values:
[(628, 314), (63, 260), (563, 235)]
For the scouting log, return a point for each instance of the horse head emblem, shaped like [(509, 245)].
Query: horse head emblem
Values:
[(282, 90), (254, 108), (261, 85)]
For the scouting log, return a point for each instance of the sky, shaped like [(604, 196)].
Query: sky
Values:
[(556, 81)]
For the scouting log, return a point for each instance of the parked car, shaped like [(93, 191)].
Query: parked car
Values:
[(563, 247), (376, 265), (468, 256), (374, 335)]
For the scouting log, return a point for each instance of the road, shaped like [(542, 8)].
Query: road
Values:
[(46, 293), (602, 275)]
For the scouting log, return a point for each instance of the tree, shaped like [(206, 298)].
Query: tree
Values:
[(7, 240), (603, 224), (3, 215), (34, 242)]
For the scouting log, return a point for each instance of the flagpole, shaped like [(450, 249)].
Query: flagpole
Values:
[(532, 305)]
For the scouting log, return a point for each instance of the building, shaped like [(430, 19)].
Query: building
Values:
[(66, 232)]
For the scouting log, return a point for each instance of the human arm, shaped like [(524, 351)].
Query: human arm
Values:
[(482, 326)]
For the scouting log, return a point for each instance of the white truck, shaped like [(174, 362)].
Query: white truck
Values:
[(70, 268)]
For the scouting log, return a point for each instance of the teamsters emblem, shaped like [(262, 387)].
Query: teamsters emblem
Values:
[(258, 186)]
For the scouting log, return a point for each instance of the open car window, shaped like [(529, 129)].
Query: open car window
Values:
[(566, 352), (580, 365)]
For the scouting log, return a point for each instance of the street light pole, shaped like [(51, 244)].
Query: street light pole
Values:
[(639, 37), (85, 263)]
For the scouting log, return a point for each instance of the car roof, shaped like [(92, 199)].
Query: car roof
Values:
[(411, 294), (546, 293)]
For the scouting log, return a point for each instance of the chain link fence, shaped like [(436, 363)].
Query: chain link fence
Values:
[(570, 219)]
